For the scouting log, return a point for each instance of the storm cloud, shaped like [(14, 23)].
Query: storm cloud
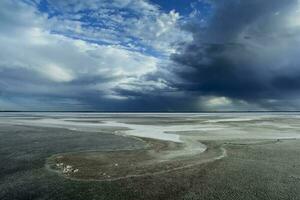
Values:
[(138, 55), (245, 51)]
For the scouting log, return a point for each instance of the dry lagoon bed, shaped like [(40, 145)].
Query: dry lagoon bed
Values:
[(150, 156)]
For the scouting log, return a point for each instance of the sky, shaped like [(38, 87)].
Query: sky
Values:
[(149, 55)]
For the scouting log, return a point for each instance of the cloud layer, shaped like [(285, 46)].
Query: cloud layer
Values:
[(135, 55), (247, 51), (75, 55)]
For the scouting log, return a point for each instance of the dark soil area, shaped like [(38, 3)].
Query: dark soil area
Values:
[(251, 170)]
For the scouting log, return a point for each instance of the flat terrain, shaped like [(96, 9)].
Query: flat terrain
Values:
[(154, 159), (178, 156)]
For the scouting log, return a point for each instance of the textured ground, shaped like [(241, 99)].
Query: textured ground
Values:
[(263, 167)]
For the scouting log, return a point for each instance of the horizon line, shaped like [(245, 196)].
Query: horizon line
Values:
[(99, 111)]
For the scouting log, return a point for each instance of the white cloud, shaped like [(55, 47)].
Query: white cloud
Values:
[(59, 65), (220, 103), (57, 73), (161, 32), (128, 23)]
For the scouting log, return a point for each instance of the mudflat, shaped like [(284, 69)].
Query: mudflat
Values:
[(245, 157), (157, 158)]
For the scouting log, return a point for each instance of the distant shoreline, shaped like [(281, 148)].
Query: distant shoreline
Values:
[(19, 111)]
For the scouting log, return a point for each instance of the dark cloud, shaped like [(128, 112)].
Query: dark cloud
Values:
[(246, 51), (244, 55)]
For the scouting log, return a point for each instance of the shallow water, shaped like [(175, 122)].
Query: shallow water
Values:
[(205, 126), (26, 142)]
